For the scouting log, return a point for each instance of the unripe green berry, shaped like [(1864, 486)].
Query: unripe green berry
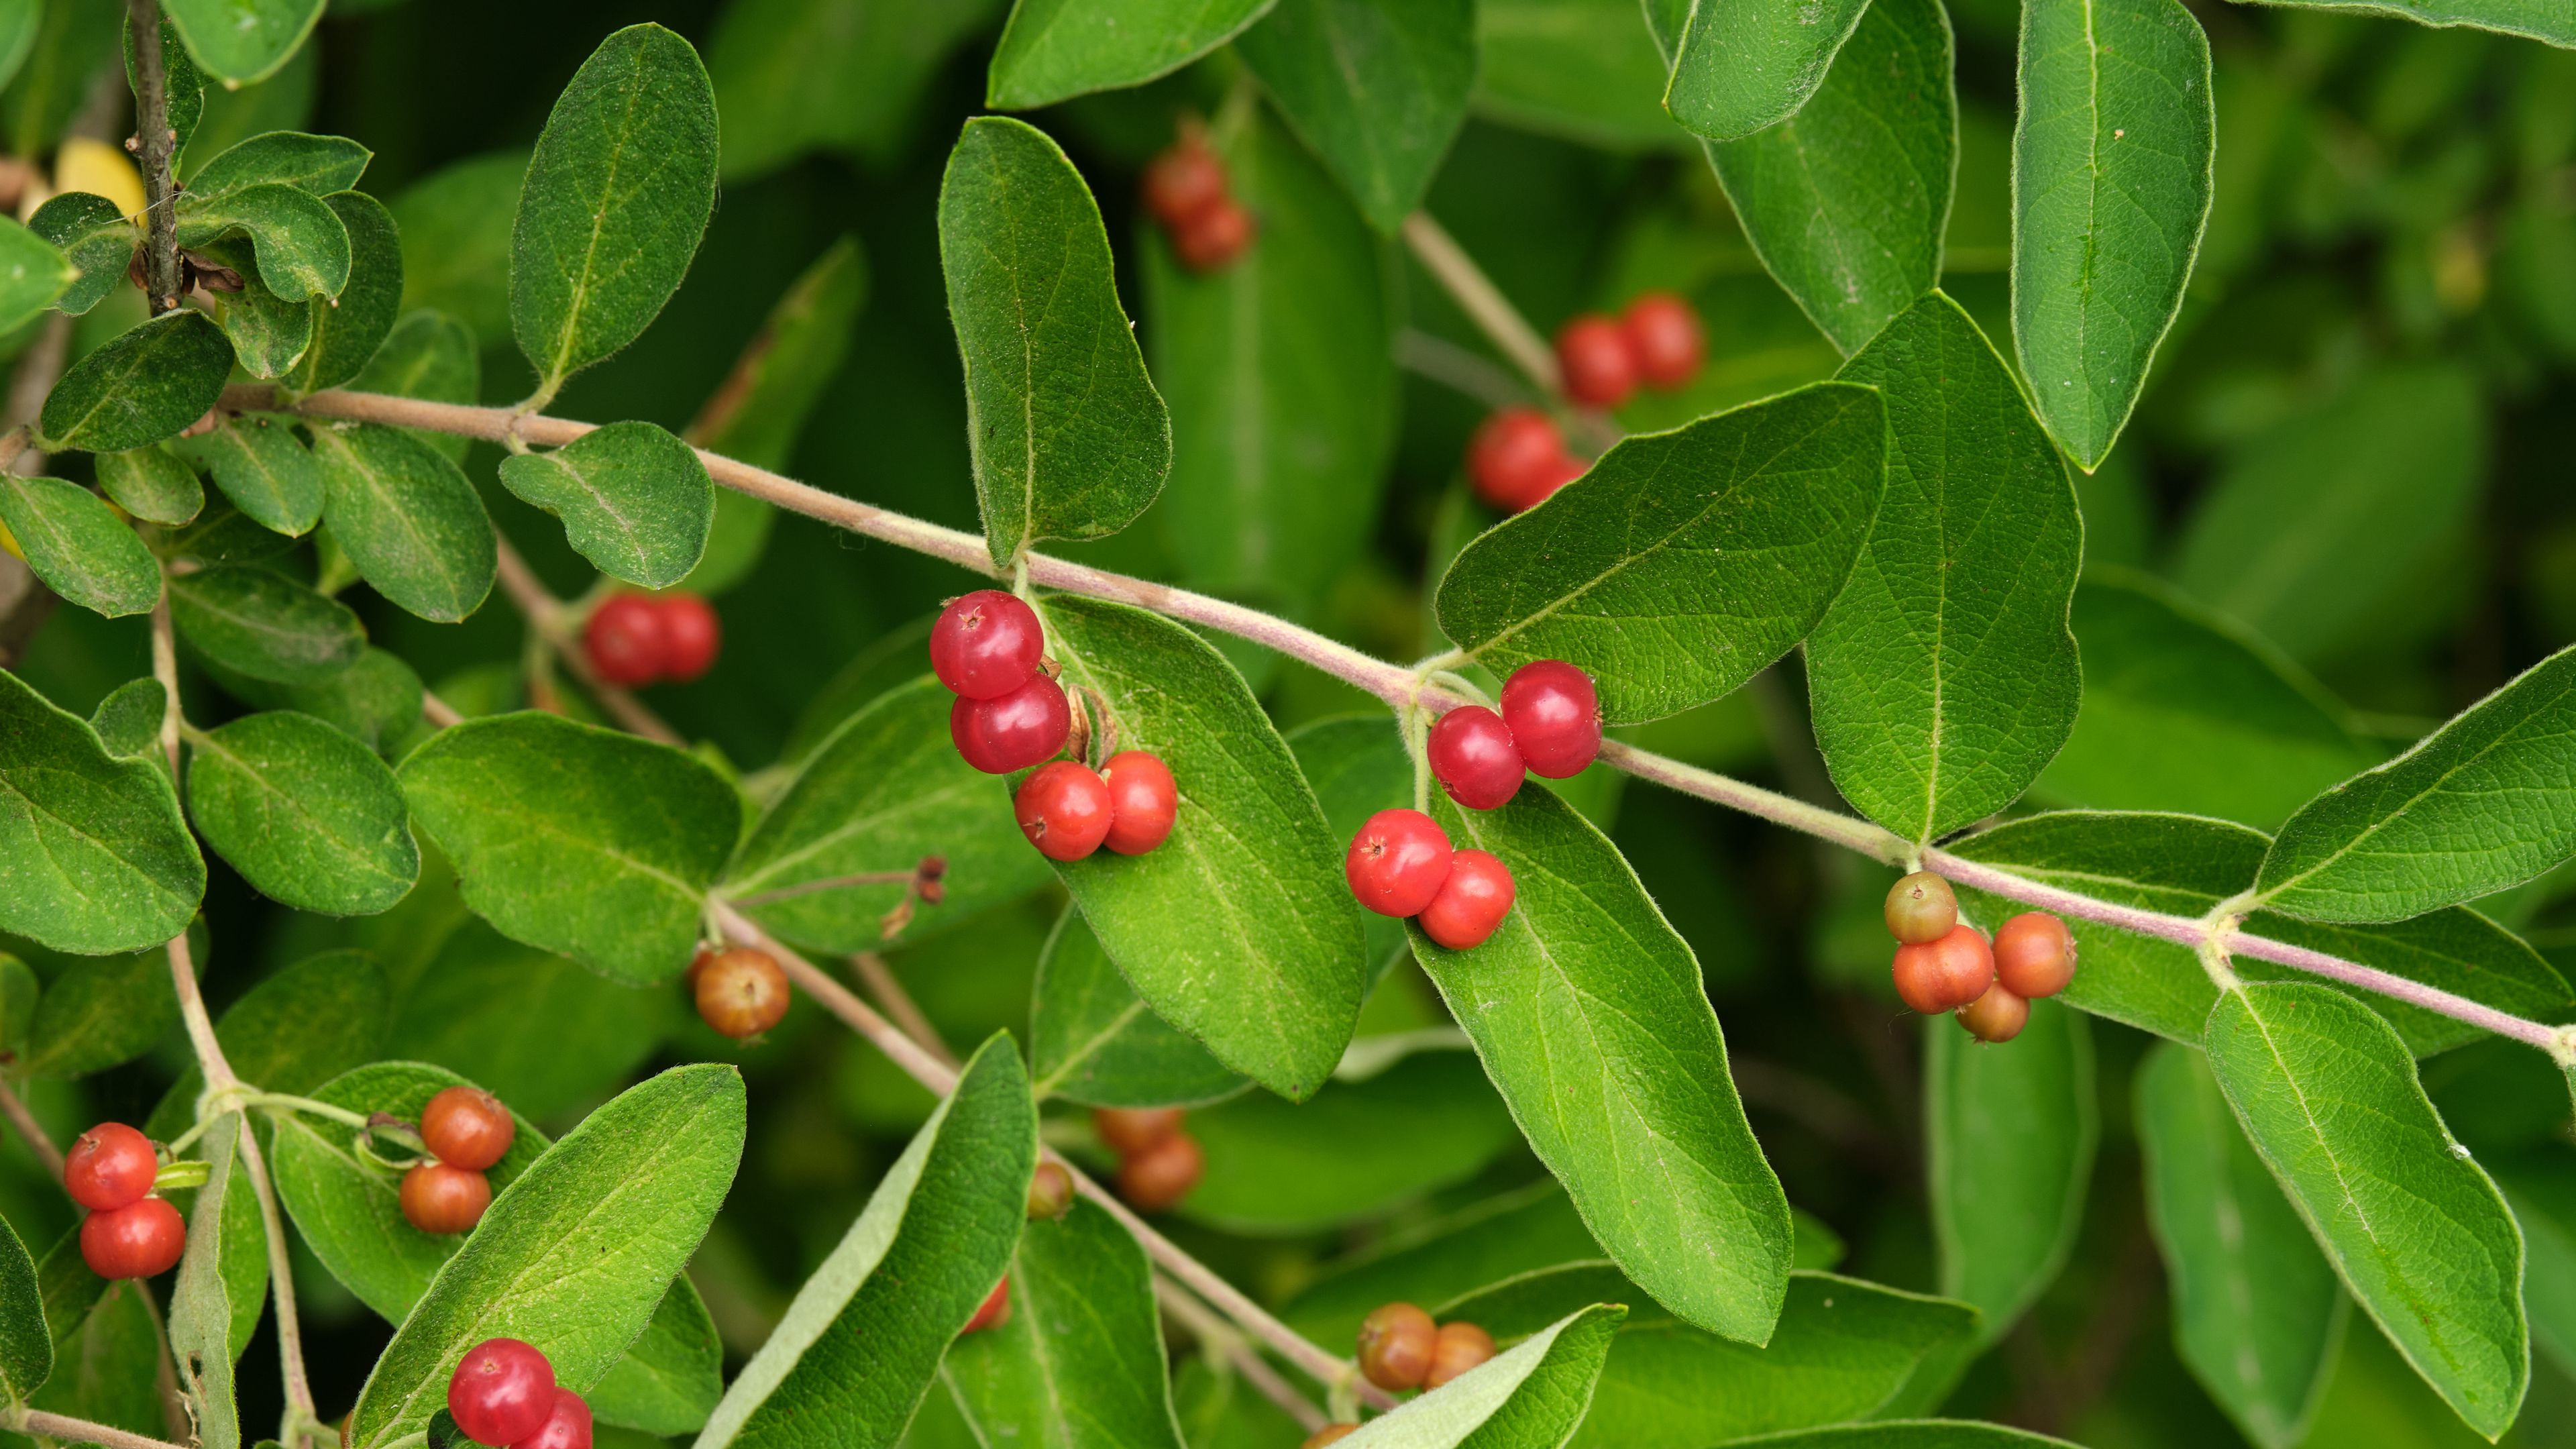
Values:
[(1921, 909)]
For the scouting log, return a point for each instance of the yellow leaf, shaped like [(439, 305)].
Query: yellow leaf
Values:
[(95, 166)]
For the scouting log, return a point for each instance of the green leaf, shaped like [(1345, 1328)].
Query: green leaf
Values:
[(1081, 1360), (1239, 929), (293, 1031), (75, 543), (576, 1254), (153, 484), (792, 75), (1684, 562), (634, 500), (302, 247), (1283, 411), (2111, 186), (407, 518), (308, 815), (1943, 678), (456, 225), (1092, 1040), (377, 699), (266, 472), (2009, 1136), (1530, 1396), (201, 1315), (2485, 802), (762, 408), (1376, 88), (616, 197), (1590, 1015), (33, 273), (1069, 437), (243, 40), (2328, 1096), (103, 1013), (107, 1361), (1055, 49), (2539, 19), (2257, 1314), (265, 625), (1581, 69), (545, 1034), (316, 165), (584, 841), (427, 355), (268, 331), (94, 237), (140, 386), (672, 1377), (91, 846), (26, 1347), (1742, 69), (886, 789), (128, 721), (2540, 1185), (347, 330), (852, 1359), (1906, 1434)]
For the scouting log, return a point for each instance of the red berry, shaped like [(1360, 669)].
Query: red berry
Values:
[(691, 636), (1011, 731), (568, 1427), (1921, 909), (1458, 1348), (625, 637), (1143, 801), (741, 992), (1050, 1192), (995, 1310), (1395, 1347), (1397, 862), (1947, 974), (1997, 1015), (1156, 1179), (2034, 955), (1130, 1130), (1186, 179), (1064, 810), (1600, 369), (467, 1127), (986, 644), (502, 1391), (1472, 901), (1664, 338), (1555, 717), (142, 1239), (1213, 238), (1473, 758), (110, 1166), (1517, 458), (439, 1198)]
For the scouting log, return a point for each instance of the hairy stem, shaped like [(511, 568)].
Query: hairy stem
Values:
[(80, 1431), (551, 623), (183, 971), (1483, 302), (32, 1132), (155, 149), (879, 979)]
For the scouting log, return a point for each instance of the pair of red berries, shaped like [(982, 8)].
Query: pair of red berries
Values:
[(1401, 1348), (504, 1392), (1401, 864), (1518, 458), (643, 638), (1068, 812), (989, 649), (740, 992), (1550, 724), (1944, 964), (1186, 190), (1657, 341), (466, 1130), (129, 1233), (1158, 1162)]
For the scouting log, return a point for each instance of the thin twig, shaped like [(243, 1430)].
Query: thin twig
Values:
[(183, 971), (897, 1003), (1459, 370), (81, 1431), (155, 149), (30, 1131), (1218, 1339), (1483, 302), (550, 622)]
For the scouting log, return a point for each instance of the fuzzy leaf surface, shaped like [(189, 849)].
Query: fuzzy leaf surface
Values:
[(93, 855), (243, 40), (1055, 49), (310, 816), (75, 542), (1093, 1040), (346, 330), (1739, 69), (634, 500), (407, 517), (1376, 88), (261, 623), (154, 484), (140, 386)]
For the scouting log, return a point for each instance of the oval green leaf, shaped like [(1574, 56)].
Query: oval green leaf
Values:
[(33, 274), (315, 165), (243, 40), (74, 542), (264, 624), (268, 474), (294, 1030), (310, 816), (407, 517), (96, 856), (154, 484), (302, 248), (1375, 88), (1053, 50), (1745, 68), (94, 237), (139, 386), (346, 330), (634, 500)]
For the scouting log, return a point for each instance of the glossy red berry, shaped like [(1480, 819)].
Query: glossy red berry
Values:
[(1050, 1192), (1947, 974), (625, 638), (1474, 759), (109, 1166), (503, 1390), (1395, 1346), (1063, 809), (1555, 717), (467, 1127), (741, 993), (1664, 338), (142, 1239), (1998, 1015), (1186, 179), (1517, 458), (1458, 1348), (993, 1312), (1012, 731), (1472, 901), (692, 635), (2034, 954), (1210, 240), (1130, 1130), (438, 1198), (1157, 1178), (1921, 909), (1144, 801), (568, 1427), (1600, 369), (986, 644), (1397, 862)]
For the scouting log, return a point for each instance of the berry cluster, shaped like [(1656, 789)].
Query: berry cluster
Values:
[(1550, 723), (1186, 190), (1158, 1163), (644, 638), (1518, 458), (1067, 811), (1944, 964), (466, 1130), (1656, 342), (504, 1392), (988, 648), (129, 1232), (740, 992), (1401, 1348)]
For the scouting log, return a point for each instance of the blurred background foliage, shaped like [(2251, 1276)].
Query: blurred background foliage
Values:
[(2346, 512)]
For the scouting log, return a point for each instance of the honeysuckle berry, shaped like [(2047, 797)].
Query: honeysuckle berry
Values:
[(1013, 731), (2034, 954), (1457, 1348), (1947, 974), (1050, 1192), (994, 1311), (1397, 862), (1921, 909), (439, 1198), (1664, 338), (1156, 1178), (467, 1127), (1471, 903), (740, 992), (567, 1427), (1211, 239), (1599, 367), (986, 644), (142, 1239), (1144, 801), (503, 1390), (1554, 714), (1395, 1346), (1474, 759), (692, 636), (1997, 1015), (1517, 458), (624, 638), (1186, 179), (109, 1166), (1063, 809), (1130, 1130)]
